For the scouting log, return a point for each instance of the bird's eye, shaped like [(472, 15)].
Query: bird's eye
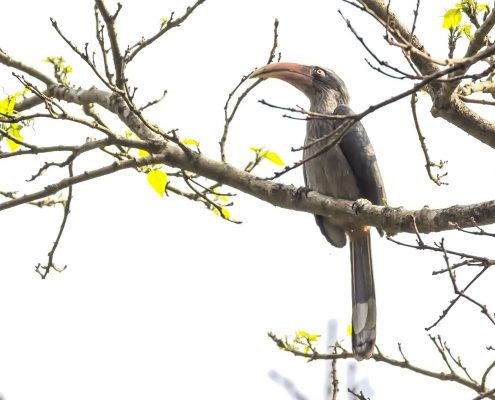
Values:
[(319, 71)]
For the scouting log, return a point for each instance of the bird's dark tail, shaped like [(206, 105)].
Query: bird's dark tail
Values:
[(363, 296)]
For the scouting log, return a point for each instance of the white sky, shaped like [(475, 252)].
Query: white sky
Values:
[(162, 299)]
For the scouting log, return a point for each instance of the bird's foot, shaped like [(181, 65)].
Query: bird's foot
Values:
[(360, 204), (301, 190)]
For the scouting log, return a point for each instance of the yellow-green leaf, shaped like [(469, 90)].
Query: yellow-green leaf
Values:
[(256, 149), (466, 29), (302, 333), (191, 142), (158, 181), (143, 153), (14, 130), (225, 212), (481, 7), (349, 330), (273, 157), (313, 338), (452, 18), (7, 105), (220, 197), (306, 349)]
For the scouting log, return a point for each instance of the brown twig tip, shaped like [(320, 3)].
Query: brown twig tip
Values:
[(359, 396)]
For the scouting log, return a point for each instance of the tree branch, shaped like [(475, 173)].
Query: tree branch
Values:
[(11, 62), (446, 104), (342, 354)]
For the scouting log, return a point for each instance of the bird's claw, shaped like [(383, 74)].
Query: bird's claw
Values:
[(302, 190), (359, 205)]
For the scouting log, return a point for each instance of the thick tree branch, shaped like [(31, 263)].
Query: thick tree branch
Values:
[(479, 39), (392, 220), (446, 104), (389, 219)]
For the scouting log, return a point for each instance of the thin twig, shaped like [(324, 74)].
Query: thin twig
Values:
[(228, 117), (43, 270), (133, 51), (429, 164)]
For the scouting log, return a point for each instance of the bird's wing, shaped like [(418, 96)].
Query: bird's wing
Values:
[(360, 154)]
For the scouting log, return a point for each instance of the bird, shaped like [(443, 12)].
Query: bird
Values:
[(348, 170)]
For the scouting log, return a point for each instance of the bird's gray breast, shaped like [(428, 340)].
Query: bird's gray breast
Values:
[(330, 174)]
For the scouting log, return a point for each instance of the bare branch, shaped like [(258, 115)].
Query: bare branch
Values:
[(343, 354), (43, 270), (84, 55), (230, 116), (100, 37), (117, 56), (170, 24), (11, 62), (429, 164), (153, 102)]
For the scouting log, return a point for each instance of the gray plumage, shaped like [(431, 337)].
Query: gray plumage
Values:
[(348, 170)]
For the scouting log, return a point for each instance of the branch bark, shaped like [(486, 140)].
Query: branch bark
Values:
[(391, 220), (446, 102)]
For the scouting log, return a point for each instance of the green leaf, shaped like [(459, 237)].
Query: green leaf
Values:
[(302, 333), (452, 18), (256, 149), (14, 130), (273, 157), (158, 181)]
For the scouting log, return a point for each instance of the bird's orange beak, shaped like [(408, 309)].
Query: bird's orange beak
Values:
[(296, 74)]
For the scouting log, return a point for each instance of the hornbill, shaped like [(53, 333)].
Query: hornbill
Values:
[(348, 170)]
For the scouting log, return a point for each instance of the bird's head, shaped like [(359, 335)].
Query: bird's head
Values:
[(322, 86)]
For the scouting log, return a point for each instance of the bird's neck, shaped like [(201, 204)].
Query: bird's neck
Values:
[(326, 102)]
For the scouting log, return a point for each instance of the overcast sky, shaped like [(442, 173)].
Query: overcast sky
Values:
[(161, 299)]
